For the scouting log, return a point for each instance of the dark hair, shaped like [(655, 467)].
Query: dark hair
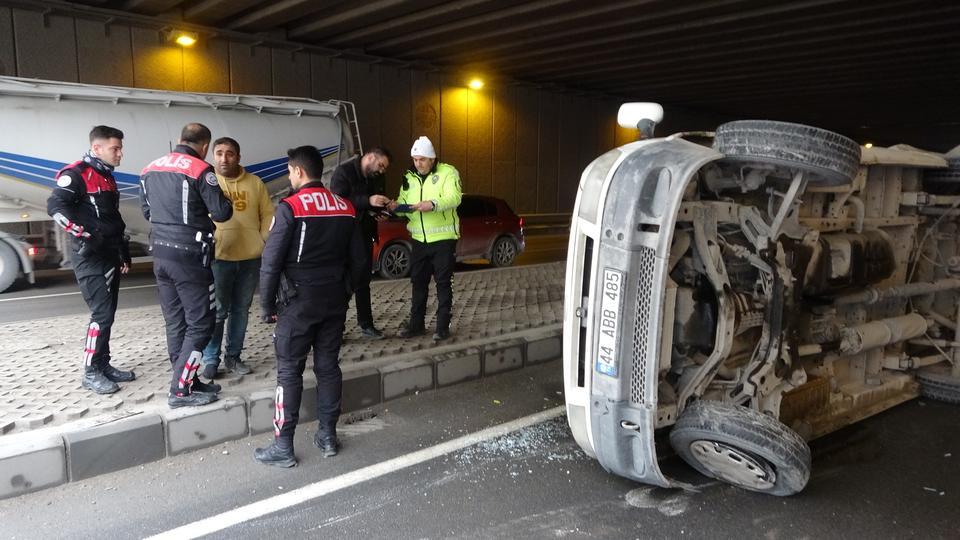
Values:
[(227, 141), (380, 151), (105, 132), (195, 133), (307, 158)]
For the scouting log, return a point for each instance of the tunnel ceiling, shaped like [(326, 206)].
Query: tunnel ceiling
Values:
[(852, 66)]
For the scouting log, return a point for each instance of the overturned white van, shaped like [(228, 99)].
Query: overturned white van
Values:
[(755, 294), (46, 123)]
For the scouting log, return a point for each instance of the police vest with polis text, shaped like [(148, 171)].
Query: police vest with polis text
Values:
[(442, 187), (322, 227)]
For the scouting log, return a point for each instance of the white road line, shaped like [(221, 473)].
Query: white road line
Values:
[(276, 503), (71, 293)]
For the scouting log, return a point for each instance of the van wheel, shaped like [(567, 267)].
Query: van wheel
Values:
[(504, 252), (742, 447), (9, 266), (939, 384), (395, 262), (829, 158)]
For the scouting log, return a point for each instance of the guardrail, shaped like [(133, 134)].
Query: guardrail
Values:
[(534, 224)]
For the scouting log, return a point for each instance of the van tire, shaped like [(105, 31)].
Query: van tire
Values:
[(828, 158), (9, 266), (742, 447), (395, 261), (938, 384)]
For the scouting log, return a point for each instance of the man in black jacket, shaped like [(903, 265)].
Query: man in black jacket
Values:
[(86, 204), (358, 181), (179, 194), (314, 245)]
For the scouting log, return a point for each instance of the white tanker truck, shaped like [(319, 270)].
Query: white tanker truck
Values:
[(45, 126)]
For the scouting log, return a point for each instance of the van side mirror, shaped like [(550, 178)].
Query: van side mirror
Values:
[(643, 116)]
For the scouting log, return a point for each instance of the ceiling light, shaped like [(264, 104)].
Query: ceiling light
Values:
[(475, 83), (185, 39)]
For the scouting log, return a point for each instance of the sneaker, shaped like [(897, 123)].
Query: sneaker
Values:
[(237, 366), (209, 371), (193, 399), (98, 382), (407, 331), (204, 388), (371, 332), (118, 375), (276, 455), (328, 444), (441, 335)]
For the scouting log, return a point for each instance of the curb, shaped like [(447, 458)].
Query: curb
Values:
[(76, 451)]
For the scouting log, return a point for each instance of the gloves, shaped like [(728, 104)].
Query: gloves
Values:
[(72, 228), (125, 250)]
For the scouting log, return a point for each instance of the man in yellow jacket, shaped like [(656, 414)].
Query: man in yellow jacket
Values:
[(431, 193), (239, 243)]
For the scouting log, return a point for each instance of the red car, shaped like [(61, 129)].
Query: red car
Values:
[(488, 230)]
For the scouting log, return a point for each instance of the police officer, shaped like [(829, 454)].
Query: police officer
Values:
[(86, 204), (433, 191), (358, 181), (315, 244), (179, 194)]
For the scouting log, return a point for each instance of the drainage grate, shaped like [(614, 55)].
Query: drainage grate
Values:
[(641, 324)]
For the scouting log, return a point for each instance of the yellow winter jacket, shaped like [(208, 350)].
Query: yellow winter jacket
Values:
[(242, 236), (442, 187)]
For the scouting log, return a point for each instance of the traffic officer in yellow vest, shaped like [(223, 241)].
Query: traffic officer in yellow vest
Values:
[(430, 194)]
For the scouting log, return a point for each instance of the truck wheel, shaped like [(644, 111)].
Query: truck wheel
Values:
[(829, 158), (742, 447), (943, 181), (938, 384), (9, 266), (504, 252), (395, 261)]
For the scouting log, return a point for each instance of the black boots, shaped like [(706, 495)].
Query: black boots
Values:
[(204, 388), (118, 375), (193, 399), (236, 365), (278, 454), (94, 379), (328, 444), (411, 331)]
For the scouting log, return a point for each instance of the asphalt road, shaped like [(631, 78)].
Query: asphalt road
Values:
[(896, 475), (55, 292)]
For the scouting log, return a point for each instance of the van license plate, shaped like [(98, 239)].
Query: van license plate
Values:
[(609, 321)]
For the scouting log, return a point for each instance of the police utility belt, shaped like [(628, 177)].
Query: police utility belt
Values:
[(181, 247)]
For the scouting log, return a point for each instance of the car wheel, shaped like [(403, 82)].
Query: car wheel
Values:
[(395, 261), (9, 266), (829, 158), (939, 384), (742, 447), (504, 252)]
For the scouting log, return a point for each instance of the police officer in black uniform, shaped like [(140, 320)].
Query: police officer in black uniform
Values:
[(314, 257), (179, 194), (360, 181), (86, 204)]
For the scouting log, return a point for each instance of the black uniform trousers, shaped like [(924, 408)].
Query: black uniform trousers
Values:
[(188, 304), (362, 294), (432, 259), (314, 318), (99, 281)]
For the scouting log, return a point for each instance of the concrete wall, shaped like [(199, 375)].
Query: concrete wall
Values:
[(524, 144)]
